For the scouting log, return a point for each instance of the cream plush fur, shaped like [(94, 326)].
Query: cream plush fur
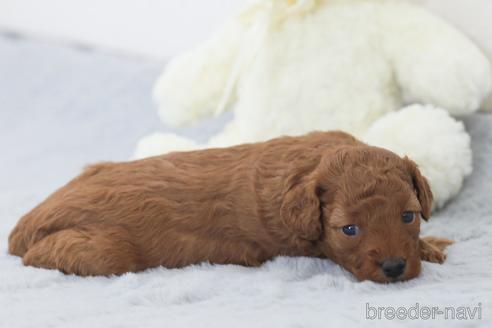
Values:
[(471, 17), (290, 67)]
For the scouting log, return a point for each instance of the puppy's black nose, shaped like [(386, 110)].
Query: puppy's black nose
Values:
[(393, 267)]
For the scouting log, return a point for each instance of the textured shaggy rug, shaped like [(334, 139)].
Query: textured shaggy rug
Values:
[(62, 108)]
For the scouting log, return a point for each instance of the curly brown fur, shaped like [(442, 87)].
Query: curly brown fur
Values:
[(243, 205)]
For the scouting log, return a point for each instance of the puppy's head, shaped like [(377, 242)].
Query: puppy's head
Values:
[(362, 206)]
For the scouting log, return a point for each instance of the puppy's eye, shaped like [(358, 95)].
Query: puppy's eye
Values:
[(350, 230), (408, 217)]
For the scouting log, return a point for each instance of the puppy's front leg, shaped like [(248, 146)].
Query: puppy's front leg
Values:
[(432, 249)]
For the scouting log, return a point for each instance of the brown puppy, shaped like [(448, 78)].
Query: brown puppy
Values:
[(323, 195)]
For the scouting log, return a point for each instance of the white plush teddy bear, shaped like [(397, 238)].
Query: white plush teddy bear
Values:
[(287, 67)]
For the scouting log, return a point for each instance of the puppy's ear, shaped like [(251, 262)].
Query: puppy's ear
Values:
[(424, 193), (301, 205), (300, 210)]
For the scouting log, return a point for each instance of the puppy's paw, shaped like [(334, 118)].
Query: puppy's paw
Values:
[(432, 249), (440, 243)]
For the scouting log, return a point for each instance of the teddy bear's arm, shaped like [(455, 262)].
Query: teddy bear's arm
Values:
[(433, 62), (194, 84)]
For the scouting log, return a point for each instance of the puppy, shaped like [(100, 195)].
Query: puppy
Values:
[(325, 194)]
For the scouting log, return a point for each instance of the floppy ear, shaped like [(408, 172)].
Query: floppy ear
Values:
[(300, 210), (424, 193)]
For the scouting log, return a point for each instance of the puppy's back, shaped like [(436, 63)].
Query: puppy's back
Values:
[(108, 187)]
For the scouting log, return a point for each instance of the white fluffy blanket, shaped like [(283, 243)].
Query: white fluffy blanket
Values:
[(62, 109)]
